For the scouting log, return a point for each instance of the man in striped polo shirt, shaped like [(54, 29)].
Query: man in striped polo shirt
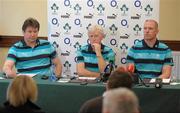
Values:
[(151, 57), (32, 55), (93, 58)]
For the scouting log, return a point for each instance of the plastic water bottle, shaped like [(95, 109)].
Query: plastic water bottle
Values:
[(53, 78)]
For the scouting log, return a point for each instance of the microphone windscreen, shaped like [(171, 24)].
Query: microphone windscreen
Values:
[(131, 68)]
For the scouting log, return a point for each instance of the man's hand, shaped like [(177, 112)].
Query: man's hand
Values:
[(8, 68), (166, 72), (97, 49)]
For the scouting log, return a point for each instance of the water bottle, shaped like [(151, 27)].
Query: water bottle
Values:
[(53, 77)]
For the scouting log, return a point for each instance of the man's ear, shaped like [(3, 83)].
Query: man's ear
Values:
[(107, 88), (137, 111), (157, 31), (23, 32)]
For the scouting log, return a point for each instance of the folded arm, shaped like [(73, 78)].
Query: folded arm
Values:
[(84, 72)]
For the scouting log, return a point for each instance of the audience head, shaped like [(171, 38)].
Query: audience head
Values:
[(30, 22), (95, 34), (20, 90), (120, 100), (119, 78)]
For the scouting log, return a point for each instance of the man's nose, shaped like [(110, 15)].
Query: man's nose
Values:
[(146, 30), (32, 34)]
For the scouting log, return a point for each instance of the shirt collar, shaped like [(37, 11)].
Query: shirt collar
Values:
[(25, 45), (155, 45)]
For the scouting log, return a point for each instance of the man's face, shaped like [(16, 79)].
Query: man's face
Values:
[(95, 37), (31, 34), (150, 30)]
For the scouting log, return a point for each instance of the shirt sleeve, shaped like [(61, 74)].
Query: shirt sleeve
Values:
[(168, 58), (79, 56), (110, 56), (12, 55), (130, 56), (53, 53)]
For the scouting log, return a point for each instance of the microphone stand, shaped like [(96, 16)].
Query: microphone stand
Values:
[(142, 82), (107, 71)]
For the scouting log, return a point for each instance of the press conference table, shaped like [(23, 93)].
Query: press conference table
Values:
[(55, 97)]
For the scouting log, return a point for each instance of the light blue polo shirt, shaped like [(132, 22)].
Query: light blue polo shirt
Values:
[(30, 60), (88, 57), (149, 61)]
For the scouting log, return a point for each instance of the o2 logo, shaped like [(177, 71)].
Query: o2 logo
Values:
[(78, 22), (124, 23), (67, 3), (55, 21), (113, 42), (100, 22), (90, 3), (137, 3), (67, 41), (113, 3), (123, 60)]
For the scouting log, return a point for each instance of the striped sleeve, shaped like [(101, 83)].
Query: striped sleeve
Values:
[(110, 56), (79, 56), (12, 54), (53, 53), (168, 58), (130, 56)]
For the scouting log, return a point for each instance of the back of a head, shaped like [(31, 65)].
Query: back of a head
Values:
[(120, 79), (21, 90), (120, 100)]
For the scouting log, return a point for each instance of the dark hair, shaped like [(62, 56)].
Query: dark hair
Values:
[(30, 22), (120, 79)]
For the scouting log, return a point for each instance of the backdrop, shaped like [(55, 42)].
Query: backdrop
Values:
[(122, 21)]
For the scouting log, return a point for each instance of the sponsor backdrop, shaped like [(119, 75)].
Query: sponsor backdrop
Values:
[(122, 21)]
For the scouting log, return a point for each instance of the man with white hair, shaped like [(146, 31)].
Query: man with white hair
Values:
[(93, 58), (120, 100)]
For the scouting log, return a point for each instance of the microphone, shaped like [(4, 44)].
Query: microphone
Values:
[(142, 82), (136, 77), (158, 83), (131, 68), (109, 68), (107, 72)]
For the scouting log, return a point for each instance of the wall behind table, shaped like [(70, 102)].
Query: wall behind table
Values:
[(169, 20), (14, 12), (3, 54), (0, 16)]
